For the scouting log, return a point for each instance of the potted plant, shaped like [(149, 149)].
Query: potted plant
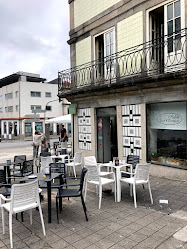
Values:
[(154, 156)]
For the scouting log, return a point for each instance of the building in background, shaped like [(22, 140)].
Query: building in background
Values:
[(20, 94), (128, 81)]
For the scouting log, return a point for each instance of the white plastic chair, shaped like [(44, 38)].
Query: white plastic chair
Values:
[(93, 176), (91, 160), (141, 176), (76, 161), (23, 197), (45, 161)]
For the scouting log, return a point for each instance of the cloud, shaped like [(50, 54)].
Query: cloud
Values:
[(34, 36)]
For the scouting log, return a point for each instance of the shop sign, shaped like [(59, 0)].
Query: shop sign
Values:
[(169, 119), (72, 109)]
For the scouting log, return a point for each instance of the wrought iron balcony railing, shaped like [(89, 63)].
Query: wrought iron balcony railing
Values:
[(160, 56)]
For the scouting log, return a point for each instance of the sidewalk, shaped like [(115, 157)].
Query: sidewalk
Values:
[(116, 225)]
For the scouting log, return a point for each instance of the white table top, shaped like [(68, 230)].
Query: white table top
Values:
[(60, 156), (113, 166)]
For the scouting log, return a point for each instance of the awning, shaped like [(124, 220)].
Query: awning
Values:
[(62, 119)]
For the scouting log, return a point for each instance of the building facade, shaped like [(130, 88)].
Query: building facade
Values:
[(22, 93), (128, 81)]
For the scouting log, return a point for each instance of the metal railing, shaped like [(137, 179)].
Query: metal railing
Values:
[(164, 55)]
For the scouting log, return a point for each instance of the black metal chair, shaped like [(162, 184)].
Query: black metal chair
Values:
[(4, 184), (26, 169), (72, 192), (133, 160), (56, 168), (17, 164)]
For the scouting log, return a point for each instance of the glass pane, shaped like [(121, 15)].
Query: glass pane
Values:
[(107, 38), (177, 42), (111, 37), (107, 50), (111, 48), (170, 11), (177, 8), (170, 27), (170, 45), (177, 24), (152, 23)]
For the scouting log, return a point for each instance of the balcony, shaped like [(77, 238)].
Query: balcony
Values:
[(158, 59)]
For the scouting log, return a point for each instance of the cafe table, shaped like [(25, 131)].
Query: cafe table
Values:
[(61, 157), (118, 175), (48, 179)]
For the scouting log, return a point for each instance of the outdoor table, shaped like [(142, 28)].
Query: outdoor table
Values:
[(118, 175), (7, 171), (61, 157), (48, 179)]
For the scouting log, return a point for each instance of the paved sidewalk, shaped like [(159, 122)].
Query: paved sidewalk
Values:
[(116, 225)]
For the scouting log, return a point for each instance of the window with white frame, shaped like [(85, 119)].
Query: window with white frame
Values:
[(35, 94), (16, 94), (17, 108), (0, 97), (174, 26), (47, 94), (1, 109), (9, 109), (48, 108), (8, 96), (36, 107)]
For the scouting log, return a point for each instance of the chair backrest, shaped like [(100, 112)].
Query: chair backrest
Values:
[(18, 160), (142, 171), (90, 160), (58, 168), (63, 151), (45, 161), (92, 169), (2, 176), (83, 173), (133, 160), (24, 195), (45, 153), (27, 166), (78, 157)]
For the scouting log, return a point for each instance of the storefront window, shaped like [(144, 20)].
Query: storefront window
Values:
[(167, 133), (39, 127), (28, 130)]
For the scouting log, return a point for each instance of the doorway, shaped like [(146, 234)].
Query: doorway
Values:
[(106, 134)]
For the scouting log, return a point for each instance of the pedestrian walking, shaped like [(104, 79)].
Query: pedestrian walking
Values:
[(36, 143)]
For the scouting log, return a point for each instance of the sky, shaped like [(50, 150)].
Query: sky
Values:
[(33, 37)]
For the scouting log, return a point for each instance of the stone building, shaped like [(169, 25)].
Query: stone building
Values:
[(128, 81)]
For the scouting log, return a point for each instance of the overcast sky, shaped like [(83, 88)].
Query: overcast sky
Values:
[(33, 37)]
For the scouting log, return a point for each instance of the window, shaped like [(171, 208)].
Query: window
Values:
[(36, 107), (17, 108), (47, 94), (167, 133), (48, 108), (35, 94), (16, 94), (8, 96), (0, 97), (174, 26), (9, 109), (1, 109)]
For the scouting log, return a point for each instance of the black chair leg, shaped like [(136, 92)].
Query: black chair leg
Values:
[(57, 209), (84, 207)]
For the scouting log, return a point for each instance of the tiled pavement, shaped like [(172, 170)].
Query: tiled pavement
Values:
[(116, 225)]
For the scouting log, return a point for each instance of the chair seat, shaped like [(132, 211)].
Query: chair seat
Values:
[(131, 181), (18, 210), (104, 173), (68, 193), (103, 181)]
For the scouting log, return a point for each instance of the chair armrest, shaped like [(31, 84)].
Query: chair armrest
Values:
[(106, 174), (3, 199)]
